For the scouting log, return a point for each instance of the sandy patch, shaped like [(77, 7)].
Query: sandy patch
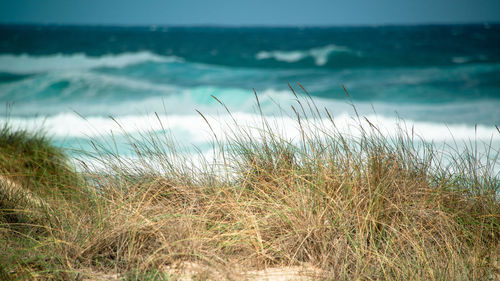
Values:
[(188, 271)]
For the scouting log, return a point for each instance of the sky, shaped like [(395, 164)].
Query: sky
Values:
[(248, 12)]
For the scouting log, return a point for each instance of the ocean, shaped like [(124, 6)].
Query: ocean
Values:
[(78, 82)]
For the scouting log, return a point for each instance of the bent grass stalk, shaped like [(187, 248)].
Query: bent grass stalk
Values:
[(343, 207)]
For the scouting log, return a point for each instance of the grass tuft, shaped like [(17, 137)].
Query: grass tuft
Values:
[(346, 207)]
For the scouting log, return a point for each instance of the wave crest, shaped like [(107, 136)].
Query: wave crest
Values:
[(28, 64), (320, 54)]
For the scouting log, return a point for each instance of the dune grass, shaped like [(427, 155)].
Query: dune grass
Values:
[(360, 207)]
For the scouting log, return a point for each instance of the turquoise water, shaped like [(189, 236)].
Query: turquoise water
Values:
[(443, 80)]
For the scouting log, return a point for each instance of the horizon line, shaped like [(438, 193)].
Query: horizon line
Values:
[(167, 25)]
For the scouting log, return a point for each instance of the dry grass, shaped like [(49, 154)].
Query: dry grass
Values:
[(345, 208)]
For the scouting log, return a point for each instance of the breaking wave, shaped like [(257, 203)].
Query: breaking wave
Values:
[(29, 64), (320, 54), (73, 125)]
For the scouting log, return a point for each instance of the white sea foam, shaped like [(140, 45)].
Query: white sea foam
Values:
[(195, 128), (74, 132), (27, 64), (320, 54)]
